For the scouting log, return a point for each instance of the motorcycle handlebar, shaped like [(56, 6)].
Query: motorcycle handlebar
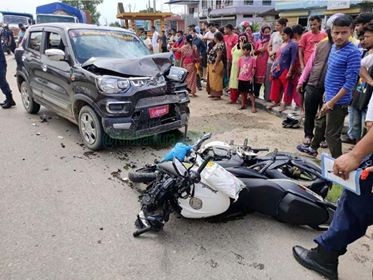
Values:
[(141, 231)]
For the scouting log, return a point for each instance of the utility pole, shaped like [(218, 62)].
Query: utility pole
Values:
[(154, 6)]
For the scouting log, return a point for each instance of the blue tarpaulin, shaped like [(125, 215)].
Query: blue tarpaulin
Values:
[(57, 6)]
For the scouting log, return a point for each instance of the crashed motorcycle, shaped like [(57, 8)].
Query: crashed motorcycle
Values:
[(242, 160), (205, 189)]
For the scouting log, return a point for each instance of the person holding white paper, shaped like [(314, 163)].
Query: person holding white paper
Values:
[(353, 215)]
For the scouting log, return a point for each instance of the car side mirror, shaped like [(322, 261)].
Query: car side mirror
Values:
[(179, 167), (55, 54)]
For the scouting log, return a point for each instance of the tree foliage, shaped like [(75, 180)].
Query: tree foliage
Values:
[(115, 24), (90, 6)]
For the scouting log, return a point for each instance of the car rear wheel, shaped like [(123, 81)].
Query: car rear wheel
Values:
[(90, 128), (28, 102)]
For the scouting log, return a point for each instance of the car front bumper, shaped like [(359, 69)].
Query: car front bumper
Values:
[(141, 125)]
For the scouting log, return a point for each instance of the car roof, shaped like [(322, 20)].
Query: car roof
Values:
[(68, 25)]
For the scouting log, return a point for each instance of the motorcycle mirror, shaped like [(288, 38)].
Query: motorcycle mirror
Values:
[(179, 167)]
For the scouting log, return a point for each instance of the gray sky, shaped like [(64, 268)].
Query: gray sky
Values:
[(108, 9)]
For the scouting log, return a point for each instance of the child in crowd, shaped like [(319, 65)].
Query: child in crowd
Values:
[(246, 72)]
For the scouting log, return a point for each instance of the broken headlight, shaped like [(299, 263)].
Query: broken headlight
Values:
[(177, 74)]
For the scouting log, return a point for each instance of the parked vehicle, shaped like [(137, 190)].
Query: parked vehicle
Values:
[(210, 191), (102, 79), (60, 12), (12, 19)]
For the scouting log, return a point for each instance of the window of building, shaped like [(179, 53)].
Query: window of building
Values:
[(204, 4), (218, 4), (267, 2), (228, 3), (248, 2)]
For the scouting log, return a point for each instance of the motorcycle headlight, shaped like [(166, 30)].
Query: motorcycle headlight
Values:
[(111, 84)]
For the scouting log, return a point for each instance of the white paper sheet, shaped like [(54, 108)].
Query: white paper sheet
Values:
[(351, 184)]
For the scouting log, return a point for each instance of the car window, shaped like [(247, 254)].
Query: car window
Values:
[(89, 43), (54, 41), (35, 40)]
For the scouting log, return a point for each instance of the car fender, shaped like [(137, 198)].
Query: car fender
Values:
[(81, 97), (24, 76)]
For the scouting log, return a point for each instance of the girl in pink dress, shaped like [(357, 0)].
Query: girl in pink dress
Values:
[(246, 72)]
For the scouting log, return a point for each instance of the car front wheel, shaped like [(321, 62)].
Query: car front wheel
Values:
[(28, 102), (90, 128)]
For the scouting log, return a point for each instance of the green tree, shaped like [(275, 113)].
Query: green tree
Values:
[(115, 24), (90, 6)]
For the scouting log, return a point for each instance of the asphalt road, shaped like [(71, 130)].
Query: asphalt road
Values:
[(65, 213)]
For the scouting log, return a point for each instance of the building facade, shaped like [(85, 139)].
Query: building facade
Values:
[(299, 11), (229, 11), (236, 11)]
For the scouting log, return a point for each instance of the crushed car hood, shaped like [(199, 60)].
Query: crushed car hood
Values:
[(147, 66)]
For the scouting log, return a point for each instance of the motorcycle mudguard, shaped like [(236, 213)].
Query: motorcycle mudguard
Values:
[(297, 210), (205, 203)]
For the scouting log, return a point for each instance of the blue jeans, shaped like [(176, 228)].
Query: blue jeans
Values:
[(3, 82), (351, 219), (354, 123)]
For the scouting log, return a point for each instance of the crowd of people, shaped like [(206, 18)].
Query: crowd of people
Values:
[(324, 74), (327, 72)]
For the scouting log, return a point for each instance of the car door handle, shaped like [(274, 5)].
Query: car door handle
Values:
[(44, 67)]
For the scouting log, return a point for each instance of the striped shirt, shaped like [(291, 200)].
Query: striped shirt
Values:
[(343, 71)]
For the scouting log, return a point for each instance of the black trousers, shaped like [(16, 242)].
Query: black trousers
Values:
[(3, 82), (330, 126), (312, 103)]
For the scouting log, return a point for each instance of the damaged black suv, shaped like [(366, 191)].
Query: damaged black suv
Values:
[(103, 79)]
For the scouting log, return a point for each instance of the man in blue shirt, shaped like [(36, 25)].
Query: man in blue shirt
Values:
[(341, 77), (9, 102)]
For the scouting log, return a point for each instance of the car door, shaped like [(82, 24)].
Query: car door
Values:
[(56, 75), (32, 64)]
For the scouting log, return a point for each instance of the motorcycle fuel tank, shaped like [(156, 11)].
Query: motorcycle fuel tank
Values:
[(206, 202)]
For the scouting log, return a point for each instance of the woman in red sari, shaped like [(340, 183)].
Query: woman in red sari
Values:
[(189, 53), (261, 51)]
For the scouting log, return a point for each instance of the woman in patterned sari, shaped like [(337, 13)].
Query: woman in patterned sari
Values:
[(262, 55), (215, 67), (189, 53)]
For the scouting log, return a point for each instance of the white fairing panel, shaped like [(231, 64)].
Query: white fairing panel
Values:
[(213, 203)]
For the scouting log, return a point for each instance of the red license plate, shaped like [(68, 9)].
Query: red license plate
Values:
[(160, 111)]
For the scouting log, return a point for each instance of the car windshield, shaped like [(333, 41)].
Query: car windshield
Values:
[(89, 43)]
